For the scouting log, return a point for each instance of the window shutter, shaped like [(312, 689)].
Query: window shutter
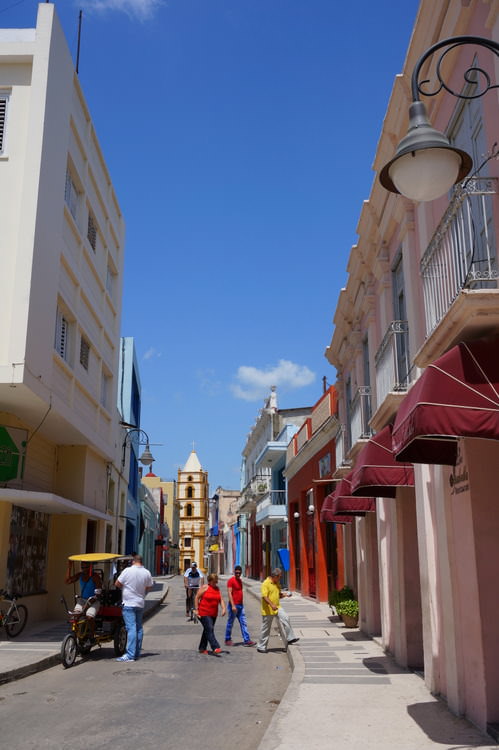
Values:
[(84, 352), (3, 113), (71, 194), (92, 231), (61, 336)]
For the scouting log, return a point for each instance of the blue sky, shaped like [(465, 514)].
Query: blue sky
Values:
[(239, 135)]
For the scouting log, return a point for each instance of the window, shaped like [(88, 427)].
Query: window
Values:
[(188, 509), (62, 341), (105, 390), (92, 231), (3, 119), (189, 492), (84, 352), (187, 541), (110, 281), (71, 194)]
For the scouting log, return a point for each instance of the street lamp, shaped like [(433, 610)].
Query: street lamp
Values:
[(426, 165), (146, 459)]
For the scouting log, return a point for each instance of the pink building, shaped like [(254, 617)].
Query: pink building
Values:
[(414, 347)]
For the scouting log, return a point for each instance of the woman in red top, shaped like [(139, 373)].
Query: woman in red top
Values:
[(208, 599)]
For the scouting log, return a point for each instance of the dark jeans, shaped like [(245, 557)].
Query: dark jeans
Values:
[(208, 636)]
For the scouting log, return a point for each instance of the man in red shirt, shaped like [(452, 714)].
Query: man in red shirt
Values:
[(236, 608)]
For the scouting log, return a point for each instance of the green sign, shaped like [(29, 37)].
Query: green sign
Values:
[(12, 453)]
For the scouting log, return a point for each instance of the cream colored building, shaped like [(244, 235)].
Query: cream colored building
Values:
[(170, 505), (192, 489), (61, 265)]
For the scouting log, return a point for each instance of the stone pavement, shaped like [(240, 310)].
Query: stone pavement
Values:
[(346, 693), (39, 645)]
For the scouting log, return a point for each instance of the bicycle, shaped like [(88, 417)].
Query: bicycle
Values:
[(190, 597), (15, 618)]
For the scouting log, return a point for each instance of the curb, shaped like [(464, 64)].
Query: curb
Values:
[(29, 669), (51, 661)]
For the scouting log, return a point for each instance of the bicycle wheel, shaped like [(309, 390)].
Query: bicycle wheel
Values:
[(69, 651), (16, 622), (120, 639)]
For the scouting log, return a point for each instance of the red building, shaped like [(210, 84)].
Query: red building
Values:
[(316, 549)]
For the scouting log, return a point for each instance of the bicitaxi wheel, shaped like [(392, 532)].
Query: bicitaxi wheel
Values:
[(69, 651), (120, 639)]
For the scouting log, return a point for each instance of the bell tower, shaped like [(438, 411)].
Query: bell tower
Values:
[(192, 488)]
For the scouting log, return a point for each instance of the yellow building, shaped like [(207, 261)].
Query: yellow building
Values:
[(192, 487), (170, 505)]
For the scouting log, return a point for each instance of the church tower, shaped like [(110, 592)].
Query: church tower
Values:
[(192, 489)]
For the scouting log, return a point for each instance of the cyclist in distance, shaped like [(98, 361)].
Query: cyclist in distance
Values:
[(193, 579)]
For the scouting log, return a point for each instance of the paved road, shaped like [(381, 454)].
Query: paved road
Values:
[(172, 698)]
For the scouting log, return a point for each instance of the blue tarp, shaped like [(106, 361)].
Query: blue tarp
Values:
[(284, 558)]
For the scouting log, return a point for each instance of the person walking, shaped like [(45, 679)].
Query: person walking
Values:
[(270, 607), (208, 600), (235, 608), (135, 582)]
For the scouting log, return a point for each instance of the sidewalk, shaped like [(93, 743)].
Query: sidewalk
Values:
[(39, 646), (346, 693)]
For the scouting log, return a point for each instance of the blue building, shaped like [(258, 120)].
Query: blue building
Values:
[(129, 404)]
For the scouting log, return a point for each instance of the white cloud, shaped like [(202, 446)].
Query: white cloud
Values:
[(152, 353), (140, 9), (253, 384)]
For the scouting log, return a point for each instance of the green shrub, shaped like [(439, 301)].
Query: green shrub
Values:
[(338, 596), (348, 607)]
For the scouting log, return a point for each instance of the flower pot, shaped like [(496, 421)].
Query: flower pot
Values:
[(349, 621)]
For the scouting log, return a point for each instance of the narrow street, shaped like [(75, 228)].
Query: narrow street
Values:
[(173, 697)]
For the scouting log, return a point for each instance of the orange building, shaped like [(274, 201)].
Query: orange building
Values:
[(316, 549)]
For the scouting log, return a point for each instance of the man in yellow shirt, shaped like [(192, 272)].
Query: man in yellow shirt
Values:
[(271, 606)]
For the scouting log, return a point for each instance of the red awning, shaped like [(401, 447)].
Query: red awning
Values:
[(456, 396), (327, 513), (341, 507), (376, 472)]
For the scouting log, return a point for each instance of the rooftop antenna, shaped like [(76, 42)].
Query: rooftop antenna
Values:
[(79, 40)]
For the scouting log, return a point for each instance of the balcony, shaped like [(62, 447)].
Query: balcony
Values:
[(459, 271), (360, 411), (272, 508), (343, 466), (254, 490), (392, 368)]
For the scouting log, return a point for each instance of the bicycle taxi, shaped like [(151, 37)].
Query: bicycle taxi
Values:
[(106, 624)]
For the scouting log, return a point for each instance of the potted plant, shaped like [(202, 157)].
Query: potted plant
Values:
[(339, 595), (348, 610)]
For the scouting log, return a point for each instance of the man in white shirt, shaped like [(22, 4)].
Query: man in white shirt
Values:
[(135, 582)]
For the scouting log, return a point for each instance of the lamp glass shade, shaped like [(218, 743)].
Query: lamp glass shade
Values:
[(425, 174), (146, 459)]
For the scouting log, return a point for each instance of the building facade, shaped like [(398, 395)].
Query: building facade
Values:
[(61, 267), (416, 334), (316, 568), (262, 523), (164, 492)]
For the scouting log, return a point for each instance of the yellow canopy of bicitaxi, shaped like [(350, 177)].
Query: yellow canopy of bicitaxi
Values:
[(94, 557)]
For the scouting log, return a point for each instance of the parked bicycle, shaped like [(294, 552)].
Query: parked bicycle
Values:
[(15, 617)]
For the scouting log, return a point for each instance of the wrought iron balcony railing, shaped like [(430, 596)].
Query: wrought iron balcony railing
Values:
[(360, 414), (341, 447), (462, 252), (392, 360)]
